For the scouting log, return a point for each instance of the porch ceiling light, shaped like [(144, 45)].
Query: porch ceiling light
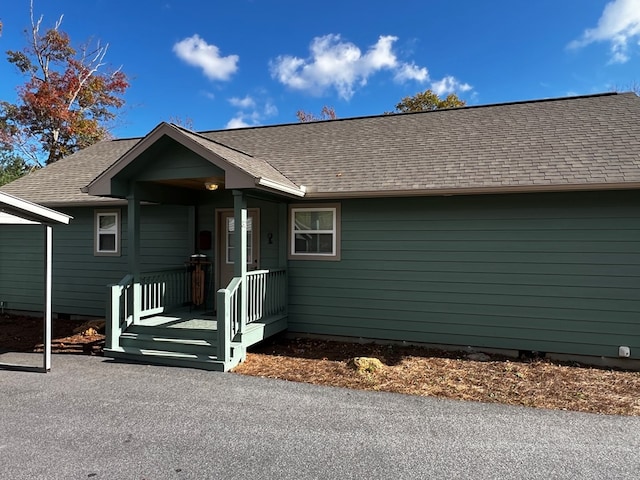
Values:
[(211, 186)]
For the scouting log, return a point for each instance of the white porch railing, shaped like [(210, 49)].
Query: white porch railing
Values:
[(156, 292), (262, 296), (265, 296), (163, 290), (265, 293), (120, 311)]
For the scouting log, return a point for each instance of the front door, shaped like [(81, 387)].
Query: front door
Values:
[(225, 251)]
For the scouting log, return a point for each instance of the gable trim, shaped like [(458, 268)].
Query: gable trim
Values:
[(235, 177), (473, 191)]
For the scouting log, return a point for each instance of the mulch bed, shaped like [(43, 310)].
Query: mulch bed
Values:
[(419, 371), (25, 334), (402, 369)]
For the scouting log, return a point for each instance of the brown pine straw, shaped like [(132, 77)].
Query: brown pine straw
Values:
[(536, 383)]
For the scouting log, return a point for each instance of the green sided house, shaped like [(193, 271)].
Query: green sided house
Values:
[(512, 227)]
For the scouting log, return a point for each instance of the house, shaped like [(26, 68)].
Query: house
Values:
[(513, 227), (21, 214)]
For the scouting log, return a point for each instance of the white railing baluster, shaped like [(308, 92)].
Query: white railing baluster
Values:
[(266, 293), (163, 290)]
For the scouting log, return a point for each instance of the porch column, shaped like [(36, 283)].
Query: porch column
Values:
[(133, 252), (48, 276), (240, 250)]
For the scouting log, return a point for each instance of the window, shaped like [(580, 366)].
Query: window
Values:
[(231, 241), (107, 233), (315, 232)]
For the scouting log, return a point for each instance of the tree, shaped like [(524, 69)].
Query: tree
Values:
[(327, 113), (12, 167), (187, 122), (633, 86), (427, 101), (66, 101)]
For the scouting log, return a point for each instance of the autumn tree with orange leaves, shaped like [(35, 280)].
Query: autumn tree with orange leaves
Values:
[(67, 100), (327, 113)]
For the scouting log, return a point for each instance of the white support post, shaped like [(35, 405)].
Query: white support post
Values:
[(240, 251), (48, 254)]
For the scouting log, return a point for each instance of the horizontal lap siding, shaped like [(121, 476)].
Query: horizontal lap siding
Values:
[(555, 273), (21, 266), (80, 278)]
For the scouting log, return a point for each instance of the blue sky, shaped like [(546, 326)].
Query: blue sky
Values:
[(233, 63)]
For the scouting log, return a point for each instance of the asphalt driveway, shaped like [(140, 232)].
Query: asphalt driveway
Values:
[(94, 418)]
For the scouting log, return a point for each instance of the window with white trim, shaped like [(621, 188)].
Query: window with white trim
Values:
[(315, 232), (107, 233)]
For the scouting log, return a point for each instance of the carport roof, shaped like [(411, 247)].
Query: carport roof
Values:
[(17, 210)]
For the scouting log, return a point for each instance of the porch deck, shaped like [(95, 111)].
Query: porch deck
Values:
[(183, 318), (167, 332)]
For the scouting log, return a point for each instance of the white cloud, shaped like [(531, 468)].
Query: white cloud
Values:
[(341, 65), (619, 25), (237, 122), (195, 51), (251, 111), (246, 102), (270, 110), (449, 85), (410, 71)]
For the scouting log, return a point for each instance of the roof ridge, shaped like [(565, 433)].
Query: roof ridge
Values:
[(385, 115), (200, 135)]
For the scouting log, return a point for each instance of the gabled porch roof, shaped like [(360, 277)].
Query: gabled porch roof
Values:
[(241, 170)]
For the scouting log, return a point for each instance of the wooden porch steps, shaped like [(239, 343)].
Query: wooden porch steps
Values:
[(189, 347), (182, 347), (164, 357)]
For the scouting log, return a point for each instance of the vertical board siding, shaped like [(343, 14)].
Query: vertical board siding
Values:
[(545, 272)]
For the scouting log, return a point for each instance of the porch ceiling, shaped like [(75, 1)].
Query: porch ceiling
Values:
[(194, 183)]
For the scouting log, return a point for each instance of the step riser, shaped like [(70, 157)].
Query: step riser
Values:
[(168, 346), (188, 333), (211, 365)]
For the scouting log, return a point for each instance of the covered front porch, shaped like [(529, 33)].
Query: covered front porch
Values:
[(153, 320), (233, 293)]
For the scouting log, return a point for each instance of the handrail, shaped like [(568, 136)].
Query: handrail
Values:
[(120, 310), (162, 290), (228, 301), (264, 293), (154, 292), (259, 295)]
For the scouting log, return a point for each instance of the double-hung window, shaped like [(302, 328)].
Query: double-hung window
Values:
[(315, 232), (107, 233)]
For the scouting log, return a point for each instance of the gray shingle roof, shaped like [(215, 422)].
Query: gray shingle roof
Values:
[(59, 184), (257, 167), (580, 142), (561, 142)]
